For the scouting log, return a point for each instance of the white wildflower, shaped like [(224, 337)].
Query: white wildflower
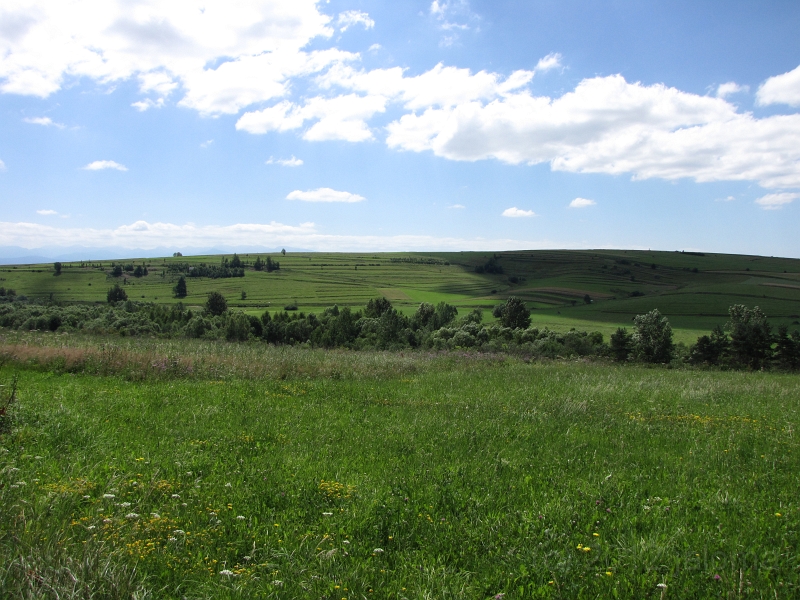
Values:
[(155, 515), (240, 517), (176, 495), (378, 551), (228, 485), (327, 514), (227, 572), (277, 583), (109, 496), (132, 516)]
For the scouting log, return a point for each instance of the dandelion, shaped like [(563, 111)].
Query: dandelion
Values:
[(596, 534), (778, 514), (609, 573)]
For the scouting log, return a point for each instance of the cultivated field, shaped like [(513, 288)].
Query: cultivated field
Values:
[(189, 469), (693, 290)]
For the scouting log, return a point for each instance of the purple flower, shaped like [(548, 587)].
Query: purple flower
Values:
[(717, 577), (499, 596)]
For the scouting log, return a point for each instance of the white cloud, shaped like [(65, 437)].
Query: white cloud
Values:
[(144, 235), (148, 103), (581, 203), (726, 199), (726, 89), (515, 212), (451, 17), (206, 144), (780, 89), (551, 61), (354, 17), (374, 48), (338, 118), (223, 55), (285, 162), (776, 201), (324, 195), (2, 166), (457, 206), (99, 165), (45, 121), (46, 212), (607, 125)]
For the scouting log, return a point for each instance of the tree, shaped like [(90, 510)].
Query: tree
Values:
[(376, 307), (259, 264), (57, 268), (751, 338), (236, 262), (216, 303), (117, 271), (116, 294), (283, 252), (710, 350), (621, 344), (587, 299), (244, 295), (652, 340), (138, 271), (787, 350), (180, 290), (513, 313)]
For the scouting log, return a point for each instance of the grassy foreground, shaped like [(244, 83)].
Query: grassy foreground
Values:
[(421, 476)]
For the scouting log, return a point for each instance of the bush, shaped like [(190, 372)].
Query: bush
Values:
[(652, 340), (751, 339), (513, 313)]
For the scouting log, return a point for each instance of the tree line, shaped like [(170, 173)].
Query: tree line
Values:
[(747, 341)]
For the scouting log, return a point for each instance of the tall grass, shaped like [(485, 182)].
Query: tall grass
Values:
[(406, 477)]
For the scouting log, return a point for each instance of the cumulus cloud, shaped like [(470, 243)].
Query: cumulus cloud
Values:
[(780, 89), (581, 203), (100, 165), (206, 144), (726, 89), (549, 62), (285, 162), (145, 235), (515, 213), (354, 17), (46, 212), (374, 48), (44, 121), (148, 103), (324, 195), (339, 118), (223, 55), (607, 125), (776, 201)]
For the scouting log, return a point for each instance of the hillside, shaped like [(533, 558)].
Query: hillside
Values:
[(693, 289)]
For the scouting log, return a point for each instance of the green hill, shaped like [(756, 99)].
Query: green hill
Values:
[(693, 289)]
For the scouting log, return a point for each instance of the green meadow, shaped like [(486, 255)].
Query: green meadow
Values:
[(694, 290), (186, 469)]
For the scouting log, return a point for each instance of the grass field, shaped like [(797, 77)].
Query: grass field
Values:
[(694, 290), (199, 470)]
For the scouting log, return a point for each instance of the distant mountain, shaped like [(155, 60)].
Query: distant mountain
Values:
[(14, 255)]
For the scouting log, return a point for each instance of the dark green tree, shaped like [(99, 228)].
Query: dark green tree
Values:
[(216, 303), (751, 338), (513, 313), (621, 344), (710, 350), (376, 307), (236, 262), (116, 294), (138, 271), (117, 271), (180, 290), (259, 264), (787, 349), (587, 299), (57, 268)]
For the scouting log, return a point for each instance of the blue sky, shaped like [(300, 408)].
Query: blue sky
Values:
[(361, 125)]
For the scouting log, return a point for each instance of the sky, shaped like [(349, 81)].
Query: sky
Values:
[(357, 125)]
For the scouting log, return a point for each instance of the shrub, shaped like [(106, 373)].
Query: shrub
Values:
[(116, 294), (216, 304), (652, 340), (513, 313)]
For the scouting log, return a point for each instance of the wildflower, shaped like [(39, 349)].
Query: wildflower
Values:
[(596, 534), (277, 583), (132, 516), (173, 539), (551, 582), (346, 542), (609, 573), (175, 496), (662, 586), (240, 517), (378, 551), (777, 514), (86, 497), (109, 496), (90, 527), (179, 532), (717, 577), (125, 504), (228, 485), (327, 514), (499, 596), (227, 572), (106, 521), (184, 504)]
